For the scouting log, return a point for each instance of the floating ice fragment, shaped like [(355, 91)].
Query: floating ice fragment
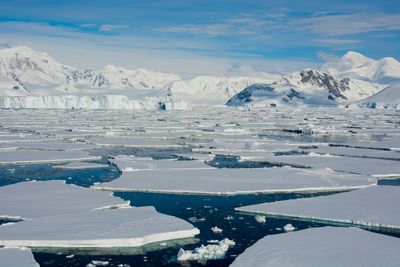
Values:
[(289, 228), (204, 253), (261, 219), (216, 230)]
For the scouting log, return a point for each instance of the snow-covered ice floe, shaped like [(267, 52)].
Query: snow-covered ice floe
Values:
[(166, 176), (41, 156), (135, 142), (52, 146), (130, 163), (355, 152), (365, 166), (102, 228), (17, 257), (64, 216), (371, 208), (80, 165), (204, 253), (30, 200), (326, 246)]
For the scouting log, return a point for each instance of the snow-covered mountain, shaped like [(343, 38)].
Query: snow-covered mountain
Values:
[(387, 98), (214, 90), (24, 71), (349, 79), (26, 74), (357, 66)]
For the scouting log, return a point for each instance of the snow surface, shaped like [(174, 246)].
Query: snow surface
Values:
[(129, 163), (327, 246), (388, 97), (60, 215), (124, 227), (365, 166), (368, 207), (41, 156), (80, 165), (17, 257), (355, 152), (232, 181), (40, 199)]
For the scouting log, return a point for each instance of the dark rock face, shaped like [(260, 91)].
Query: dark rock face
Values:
[(293, 93), (245, 95), (334, 86)]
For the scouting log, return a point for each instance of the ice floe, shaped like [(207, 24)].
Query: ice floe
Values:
[(326, 246), (127, 163), (17, 257), (60, 215), (233, 181), (103, 228), (34, 199), (369, 207), (41, 156), (366, 166)]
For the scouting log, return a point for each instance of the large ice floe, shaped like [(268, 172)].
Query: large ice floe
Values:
[(64, 216), (326, 246), (41, 156), (195, 177), (366, 166), (17, 257), (370, 208)]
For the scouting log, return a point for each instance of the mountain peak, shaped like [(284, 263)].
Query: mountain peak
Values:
[(355, 59)]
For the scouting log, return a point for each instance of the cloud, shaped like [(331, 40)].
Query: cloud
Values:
[(111, 27), (326, 56), (87, 49), (346, 24)]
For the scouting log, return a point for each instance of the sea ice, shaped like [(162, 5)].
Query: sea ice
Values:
[(17, 257), (124, 227), (42, 156), (127, 163), (204, 253), (365, 166), (369, 207), (233, 181), (39, 199), (326, 246)]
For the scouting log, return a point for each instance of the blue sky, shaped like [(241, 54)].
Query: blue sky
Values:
[(193, 37)]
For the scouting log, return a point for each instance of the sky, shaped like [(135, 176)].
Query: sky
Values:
[(202, 37)]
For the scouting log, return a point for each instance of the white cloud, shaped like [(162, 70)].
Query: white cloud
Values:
[(111, 27)]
